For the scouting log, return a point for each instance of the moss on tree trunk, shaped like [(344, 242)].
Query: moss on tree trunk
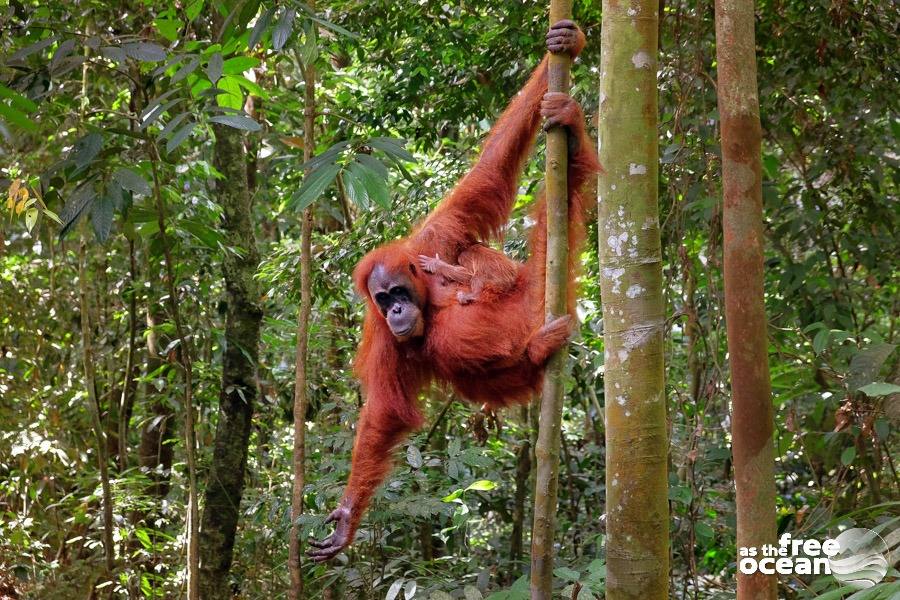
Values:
[(225, 484)]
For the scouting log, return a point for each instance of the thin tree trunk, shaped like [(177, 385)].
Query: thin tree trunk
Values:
[(237, 397), (637, 514), (129, 386), (185, 360), (745, 315), (87, 355), (556, 303), (155, 452), (295, 544), (523, 473)]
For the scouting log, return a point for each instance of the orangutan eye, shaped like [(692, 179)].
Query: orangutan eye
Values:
[(398, 291), (382, 298)]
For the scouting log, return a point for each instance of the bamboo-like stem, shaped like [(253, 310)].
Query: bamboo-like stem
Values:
[(555, 303)]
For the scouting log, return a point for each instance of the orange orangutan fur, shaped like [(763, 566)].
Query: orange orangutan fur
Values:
[(491, 351)]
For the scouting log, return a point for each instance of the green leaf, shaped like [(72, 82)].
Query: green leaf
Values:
[(414, 457), (865, 364), (374, 164), (879, 388), (567, 574), (882, 428), (283, 29), (207, 235), (86, 149), (131, 180), (179, 136), (31, 216), (62, 51), (704, 531), (259, 28), (239, 64), (327, 24), (313, 185), (168, 27), (393, 147), (452, 496), (237, 121), (19, 102), (680, 493), (145, 51), (329, 155), (482, 485), (17, 118), (31, 49), (186, 69), (114, 53), (102, 217), (75, 207), (214, 67), (194, 9), (355, 189), (234, 97), (821, 340), (848, 455), (172, 124), (157, 113), (376, 186)]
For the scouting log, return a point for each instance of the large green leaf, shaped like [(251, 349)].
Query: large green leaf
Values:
[(237, 121), (78, 202), (102, 217), (313, 185)]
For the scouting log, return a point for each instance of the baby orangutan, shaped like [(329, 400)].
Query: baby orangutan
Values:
[(481, 271)]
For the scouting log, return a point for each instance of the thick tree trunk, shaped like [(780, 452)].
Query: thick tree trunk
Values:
[(237, 397), (637, 515), (556, 304), (752, 418)]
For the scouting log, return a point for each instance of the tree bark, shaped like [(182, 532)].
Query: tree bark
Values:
[(556, 304), (745, 316), (637, 516), (237, 397), (295, 544)]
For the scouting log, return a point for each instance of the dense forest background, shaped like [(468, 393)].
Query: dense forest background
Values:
[(131, 133)]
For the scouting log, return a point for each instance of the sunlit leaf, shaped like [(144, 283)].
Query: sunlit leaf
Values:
[(482, 485)]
